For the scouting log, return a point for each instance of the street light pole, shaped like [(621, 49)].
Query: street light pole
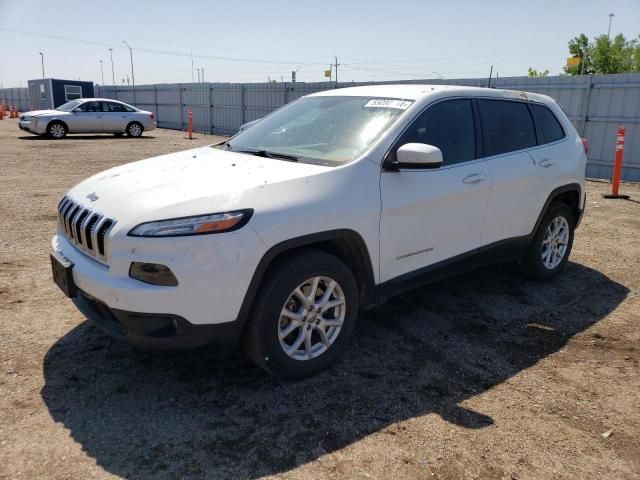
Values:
[(113, 73), (611, 15), (42, 62), (133, 78), (102, 73)]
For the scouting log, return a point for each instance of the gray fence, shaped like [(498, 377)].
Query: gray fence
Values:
[(596, 104), (18, 97)]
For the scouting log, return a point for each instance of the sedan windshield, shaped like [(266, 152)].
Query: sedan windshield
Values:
[(69, 106), (329, 130)]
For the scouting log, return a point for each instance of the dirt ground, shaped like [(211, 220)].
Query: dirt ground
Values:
[(482, 376)]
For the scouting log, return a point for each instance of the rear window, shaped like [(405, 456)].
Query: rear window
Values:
[(506, 126), (549, 127)]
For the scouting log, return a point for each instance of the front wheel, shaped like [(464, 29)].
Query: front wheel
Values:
[(304, 315), (134, 129), (550, 248), (56, 130)]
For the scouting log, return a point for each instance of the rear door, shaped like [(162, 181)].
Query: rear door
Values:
[(432, 215), (508, 136), (115, 117)]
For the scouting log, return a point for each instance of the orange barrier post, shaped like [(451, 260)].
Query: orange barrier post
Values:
[(13, 111), (190, 125), (617, 167), (1, 114)]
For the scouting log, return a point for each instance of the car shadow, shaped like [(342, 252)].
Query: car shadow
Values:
[(161, 415), (105, 136)]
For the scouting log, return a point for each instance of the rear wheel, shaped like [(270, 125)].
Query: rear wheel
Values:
[(134, 129), (304, 315), (56, 130), (550, 248)]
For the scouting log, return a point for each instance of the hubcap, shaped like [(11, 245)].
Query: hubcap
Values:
[(554, 243), (311, 318), (134, 130), (57, 131)]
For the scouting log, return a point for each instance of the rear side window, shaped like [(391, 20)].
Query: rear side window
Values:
[(447, 125), (549, 127), (114, 107), (506, 126)]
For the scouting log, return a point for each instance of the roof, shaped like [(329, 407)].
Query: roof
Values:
[(420, 91)]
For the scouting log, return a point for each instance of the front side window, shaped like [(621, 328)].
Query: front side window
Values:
[(329, 130), (90, 107), (549, 127), (506, 126), (448, 125), (72, 92)]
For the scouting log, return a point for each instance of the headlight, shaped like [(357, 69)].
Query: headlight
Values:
[(198, 225)]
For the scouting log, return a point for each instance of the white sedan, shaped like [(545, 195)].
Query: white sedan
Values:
[(88, 115)]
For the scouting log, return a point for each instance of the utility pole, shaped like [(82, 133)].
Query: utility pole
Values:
[(202, 70), (336, 65), (102, 73), (113, 72), (611, 15), (42, 62), (198, 69), (133, 78), (193, 79)]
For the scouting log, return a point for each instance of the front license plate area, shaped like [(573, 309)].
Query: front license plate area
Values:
[(62, 270)]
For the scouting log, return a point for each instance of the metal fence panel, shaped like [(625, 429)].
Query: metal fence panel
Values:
[(596, 104)]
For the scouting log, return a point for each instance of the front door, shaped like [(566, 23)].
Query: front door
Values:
[(432, 215), (86, 118)]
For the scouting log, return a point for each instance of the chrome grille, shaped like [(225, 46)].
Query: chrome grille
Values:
[(83, 227)]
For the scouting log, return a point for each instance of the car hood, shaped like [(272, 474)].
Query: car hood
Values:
[(39, 113), (192, 182)]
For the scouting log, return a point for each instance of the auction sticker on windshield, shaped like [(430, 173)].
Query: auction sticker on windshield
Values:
[(389, 103)]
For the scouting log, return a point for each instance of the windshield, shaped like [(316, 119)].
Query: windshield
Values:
[(69, 106), (329, 130)]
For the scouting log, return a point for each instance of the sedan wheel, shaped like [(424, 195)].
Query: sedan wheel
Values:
[(57, 130), (134, 130)]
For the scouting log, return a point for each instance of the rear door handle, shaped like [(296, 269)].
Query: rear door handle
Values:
[(545, 163), (474, 178)]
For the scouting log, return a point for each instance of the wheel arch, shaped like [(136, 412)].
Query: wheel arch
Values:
[(57, 120), (345, 244), (570, 194)]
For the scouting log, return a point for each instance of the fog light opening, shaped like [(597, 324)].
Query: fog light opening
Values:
[(153, 273)]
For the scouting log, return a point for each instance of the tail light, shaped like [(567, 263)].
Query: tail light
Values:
[(585, 145), (153, 116)]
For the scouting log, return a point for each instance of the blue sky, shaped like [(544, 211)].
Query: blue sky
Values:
[(252, 40)]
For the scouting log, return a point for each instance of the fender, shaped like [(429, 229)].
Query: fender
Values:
[(309, 240), (570, 187)]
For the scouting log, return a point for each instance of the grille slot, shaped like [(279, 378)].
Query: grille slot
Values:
[(86, 229)]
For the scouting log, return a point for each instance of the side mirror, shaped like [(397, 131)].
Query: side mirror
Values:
[(418, 156)]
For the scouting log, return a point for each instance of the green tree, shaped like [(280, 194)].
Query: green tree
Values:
[(604, 55), (535, 73), (579, 47)]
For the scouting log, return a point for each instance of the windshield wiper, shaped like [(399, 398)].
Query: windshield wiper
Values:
[(266, 154)]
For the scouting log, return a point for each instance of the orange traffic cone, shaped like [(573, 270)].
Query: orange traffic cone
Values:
[(1, 114)]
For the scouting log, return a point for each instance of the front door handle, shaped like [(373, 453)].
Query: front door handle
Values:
[(474, 178), (545, 163)]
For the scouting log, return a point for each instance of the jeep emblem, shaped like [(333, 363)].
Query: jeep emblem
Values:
[(93, 197)]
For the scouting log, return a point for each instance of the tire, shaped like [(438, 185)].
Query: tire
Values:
[(56, 130), (135, 129), (262, 339), (546, 256)]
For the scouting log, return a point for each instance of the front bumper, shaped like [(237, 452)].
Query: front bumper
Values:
[(30, 126), (158, 331)]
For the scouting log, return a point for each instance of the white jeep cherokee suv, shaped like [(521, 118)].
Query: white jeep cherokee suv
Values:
[(331, 204)]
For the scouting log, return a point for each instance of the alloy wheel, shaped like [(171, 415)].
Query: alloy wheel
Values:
[(311, 318), (554, 243)]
